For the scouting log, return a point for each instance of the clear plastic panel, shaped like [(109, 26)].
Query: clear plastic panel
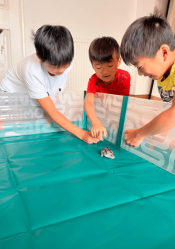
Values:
[(108, 109), (159, 149), (21, 115)]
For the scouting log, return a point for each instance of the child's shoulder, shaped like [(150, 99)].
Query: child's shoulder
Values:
[(93, 78), (32, 61), (122, 73), (30, 65)]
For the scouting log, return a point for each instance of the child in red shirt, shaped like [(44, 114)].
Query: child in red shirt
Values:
[(104, 54)]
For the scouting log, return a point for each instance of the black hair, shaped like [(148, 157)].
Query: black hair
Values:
[(1, 30), (54, 44), (145, 36), (102, 49)]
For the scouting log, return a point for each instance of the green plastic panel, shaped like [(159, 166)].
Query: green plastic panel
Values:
[(58, 192)]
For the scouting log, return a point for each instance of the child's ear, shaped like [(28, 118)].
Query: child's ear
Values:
[(164, 51), (119, 62)]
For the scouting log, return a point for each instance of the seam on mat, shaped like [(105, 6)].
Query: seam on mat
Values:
[(102, 209)]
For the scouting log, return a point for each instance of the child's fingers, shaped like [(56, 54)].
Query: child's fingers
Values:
[(89, 138), (126, 132), (101, 135), (93, 133), (93, 140), (96, 133), (96, 140)]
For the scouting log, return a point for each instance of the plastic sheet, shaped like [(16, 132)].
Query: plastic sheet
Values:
[(58, 192), (159, 149), (21, 115), (108, 110)]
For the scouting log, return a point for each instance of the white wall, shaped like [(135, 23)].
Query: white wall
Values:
[(10, 19), (142, 84), (170, 12), (85, 19), (16, 30), (11, 37)]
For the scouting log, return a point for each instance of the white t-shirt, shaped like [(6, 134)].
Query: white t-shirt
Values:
[(29, 75)]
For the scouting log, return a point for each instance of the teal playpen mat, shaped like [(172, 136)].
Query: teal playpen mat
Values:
[(58, 192)]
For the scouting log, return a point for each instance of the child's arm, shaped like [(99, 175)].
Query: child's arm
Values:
[(97, 128), (163, 122), (60, 119)]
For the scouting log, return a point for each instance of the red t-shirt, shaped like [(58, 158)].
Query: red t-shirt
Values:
[(119, 86)]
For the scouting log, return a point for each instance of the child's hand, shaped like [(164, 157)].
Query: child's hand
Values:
[(87, 137), (132, 138), (98, 130)]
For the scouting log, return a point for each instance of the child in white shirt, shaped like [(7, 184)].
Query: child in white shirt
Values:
[(46, 71)]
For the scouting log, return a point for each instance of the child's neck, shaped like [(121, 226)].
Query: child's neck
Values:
[(167, 73), (107, 83)]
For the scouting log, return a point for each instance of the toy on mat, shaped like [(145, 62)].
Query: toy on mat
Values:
[(106, 152)]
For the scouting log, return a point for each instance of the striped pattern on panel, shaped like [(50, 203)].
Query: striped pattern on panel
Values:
[(82, 68)]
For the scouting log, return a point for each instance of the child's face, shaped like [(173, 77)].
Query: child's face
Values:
[(155, 67), (107, 71), (55, 71)]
